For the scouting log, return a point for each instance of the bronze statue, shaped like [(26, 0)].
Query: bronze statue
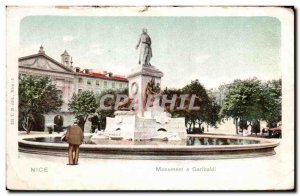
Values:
[(153, 90)]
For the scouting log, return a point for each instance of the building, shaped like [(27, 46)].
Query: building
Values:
[(69, 79)]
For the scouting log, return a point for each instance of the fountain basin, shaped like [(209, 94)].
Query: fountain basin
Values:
[(216, 147)]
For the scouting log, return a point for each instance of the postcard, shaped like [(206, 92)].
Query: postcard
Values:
[(150, 98)]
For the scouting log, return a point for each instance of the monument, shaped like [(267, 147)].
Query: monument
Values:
[(146, 121)]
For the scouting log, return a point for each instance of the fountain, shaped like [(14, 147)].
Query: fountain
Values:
[(145, 122), (148, 131)]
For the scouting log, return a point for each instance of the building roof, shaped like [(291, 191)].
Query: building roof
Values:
[(47, 57), (103, 76), (90, 74)]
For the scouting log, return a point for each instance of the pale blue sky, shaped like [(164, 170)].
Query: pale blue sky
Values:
[(211, 49)]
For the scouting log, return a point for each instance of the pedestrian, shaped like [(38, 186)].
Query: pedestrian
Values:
[(74, 137)]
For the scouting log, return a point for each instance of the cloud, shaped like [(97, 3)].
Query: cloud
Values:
[(68, 38)]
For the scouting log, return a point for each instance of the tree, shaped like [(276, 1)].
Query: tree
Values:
[(209, 108), (214, 110), (103, 113), (37, 96), (200, 116), (249, 101), (272, 102), (170, 92), (82, 105), (243, 102)]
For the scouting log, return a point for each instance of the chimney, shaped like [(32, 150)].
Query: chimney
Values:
[(77, 69), (110, 74), (86, 71)]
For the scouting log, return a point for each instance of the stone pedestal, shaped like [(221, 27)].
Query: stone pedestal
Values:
[(138, 80), (127, 125), (144, 123), (123, 124)]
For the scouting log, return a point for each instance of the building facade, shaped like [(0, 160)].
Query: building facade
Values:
[(68, 78)]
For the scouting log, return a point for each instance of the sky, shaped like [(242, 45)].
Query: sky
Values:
[(215, 50)]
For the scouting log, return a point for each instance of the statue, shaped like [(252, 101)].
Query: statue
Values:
[(125, 104), (145, 50), (152, 90)]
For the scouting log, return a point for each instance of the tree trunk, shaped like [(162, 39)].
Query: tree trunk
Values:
[(200, 128), (84, 122), (190, 127), (27, 125), (236, 126)]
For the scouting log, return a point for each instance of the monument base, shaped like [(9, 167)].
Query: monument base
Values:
[(138, 78), (144, 123), (129, 126)]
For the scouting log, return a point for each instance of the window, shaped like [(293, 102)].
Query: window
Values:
[(97, 82), (120, 85), (105, 84), (79, 80), (113, 85), (88, 82)]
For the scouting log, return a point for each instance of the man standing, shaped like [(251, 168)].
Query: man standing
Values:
[(145, 51), (74, 137)]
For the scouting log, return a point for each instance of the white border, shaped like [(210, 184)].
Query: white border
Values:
[(287, 64)]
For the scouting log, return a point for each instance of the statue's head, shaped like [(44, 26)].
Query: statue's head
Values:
[(144, 30)]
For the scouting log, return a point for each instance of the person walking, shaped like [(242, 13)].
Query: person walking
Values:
[(74, 137)]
